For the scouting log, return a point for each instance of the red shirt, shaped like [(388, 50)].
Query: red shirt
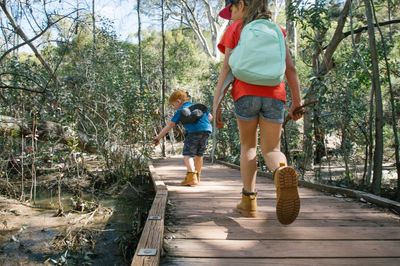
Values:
[(240, 88)]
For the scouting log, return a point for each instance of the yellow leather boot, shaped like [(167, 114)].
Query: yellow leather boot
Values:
[(190, 179), (287, 195), (248, 205)]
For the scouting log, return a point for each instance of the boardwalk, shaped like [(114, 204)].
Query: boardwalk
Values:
[(201, 227)]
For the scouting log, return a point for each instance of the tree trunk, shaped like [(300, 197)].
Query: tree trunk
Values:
[(140, 47), (392, 102), (378, 152), (290, 30), (163, 75), (370, 136)]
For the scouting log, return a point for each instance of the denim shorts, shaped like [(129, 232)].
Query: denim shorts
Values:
[(195, 144), (251, 107)]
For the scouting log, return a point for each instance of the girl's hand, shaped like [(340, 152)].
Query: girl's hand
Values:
[(218, 119), (296, 111)]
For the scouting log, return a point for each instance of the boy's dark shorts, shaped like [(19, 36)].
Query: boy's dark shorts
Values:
[(195, 144)]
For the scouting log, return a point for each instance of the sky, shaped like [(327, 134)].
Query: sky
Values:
[(123, 14)]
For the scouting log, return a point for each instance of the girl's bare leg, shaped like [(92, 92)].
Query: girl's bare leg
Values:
[(270, 136), (248, 153)]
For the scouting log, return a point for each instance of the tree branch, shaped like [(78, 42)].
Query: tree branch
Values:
[(25, 78), (19, 88), (34, 38), (24, 37), (336, 39), (359, 30)]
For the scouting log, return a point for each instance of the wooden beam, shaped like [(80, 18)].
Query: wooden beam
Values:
[(149, 249)]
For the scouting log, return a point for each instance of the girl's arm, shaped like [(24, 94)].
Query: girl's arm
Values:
[(294, 85), (163, 132), (219, 91), (210, 117)]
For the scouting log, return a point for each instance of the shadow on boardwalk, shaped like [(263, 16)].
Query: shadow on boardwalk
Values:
[(202, 228)]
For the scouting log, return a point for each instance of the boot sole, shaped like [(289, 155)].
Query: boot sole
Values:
[(250, 214), (189, 185), (288, 203)]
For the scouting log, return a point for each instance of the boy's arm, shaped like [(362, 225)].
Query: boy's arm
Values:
[(163, 132)]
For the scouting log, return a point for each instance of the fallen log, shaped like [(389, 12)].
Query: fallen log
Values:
[(46, 131)]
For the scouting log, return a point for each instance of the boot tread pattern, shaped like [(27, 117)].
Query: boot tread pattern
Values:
[(288, 201)]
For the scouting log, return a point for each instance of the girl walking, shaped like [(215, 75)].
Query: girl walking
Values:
[(260, 106)]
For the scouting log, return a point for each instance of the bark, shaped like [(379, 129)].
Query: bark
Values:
[(291, 30), (140, 46), (163, 76), (376, 84), (392, 102)]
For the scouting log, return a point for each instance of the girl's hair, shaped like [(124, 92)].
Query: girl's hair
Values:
[(256, 9), (178, 95)]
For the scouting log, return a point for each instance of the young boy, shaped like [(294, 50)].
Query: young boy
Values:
[(196, 122)]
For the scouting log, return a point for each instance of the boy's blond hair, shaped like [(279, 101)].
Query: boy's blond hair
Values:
[(178, 95)]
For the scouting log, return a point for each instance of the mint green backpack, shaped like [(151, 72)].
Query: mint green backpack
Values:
[(259, 57)]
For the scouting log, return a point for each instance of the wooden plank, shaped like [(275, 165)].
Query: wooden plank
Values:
[(324, 202), (282, 249), (271, 215), (153, 231), (282, 233), (223, 220), (186, 195), (203, 229), (270, 207), (281, 262), (371, 198)]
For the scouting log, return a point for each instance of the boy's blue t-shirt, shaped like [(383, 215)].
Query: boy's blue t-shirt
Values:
[(201, 125)]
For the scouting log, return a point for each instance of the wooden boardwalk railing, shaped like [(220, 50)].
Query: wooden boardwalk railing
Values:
[(149, 249), (202, 229)]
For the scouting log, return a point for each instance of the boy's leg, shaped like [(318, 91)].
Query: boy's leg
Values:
[(188, 155), (198, 164), (201, 148), (191, 178), (190, 163)]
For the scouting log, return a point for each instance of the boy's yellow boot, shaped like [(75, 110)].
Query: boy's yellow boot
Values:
[(248, 205), (287, 195), (190, 179)]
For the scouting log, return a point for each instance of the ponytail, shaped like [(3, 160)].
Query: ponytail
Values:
[(256, 9)]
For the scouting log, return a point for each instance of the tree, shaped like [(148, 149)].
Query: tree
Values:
[(140, 45), (201, 17)]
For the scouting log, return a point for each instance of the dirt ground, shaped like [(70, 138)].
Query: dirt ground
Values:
[(101, 227)]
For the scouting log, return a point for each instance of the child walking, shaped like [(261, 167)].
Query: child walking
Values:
[(196, 122), (258, 106)]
